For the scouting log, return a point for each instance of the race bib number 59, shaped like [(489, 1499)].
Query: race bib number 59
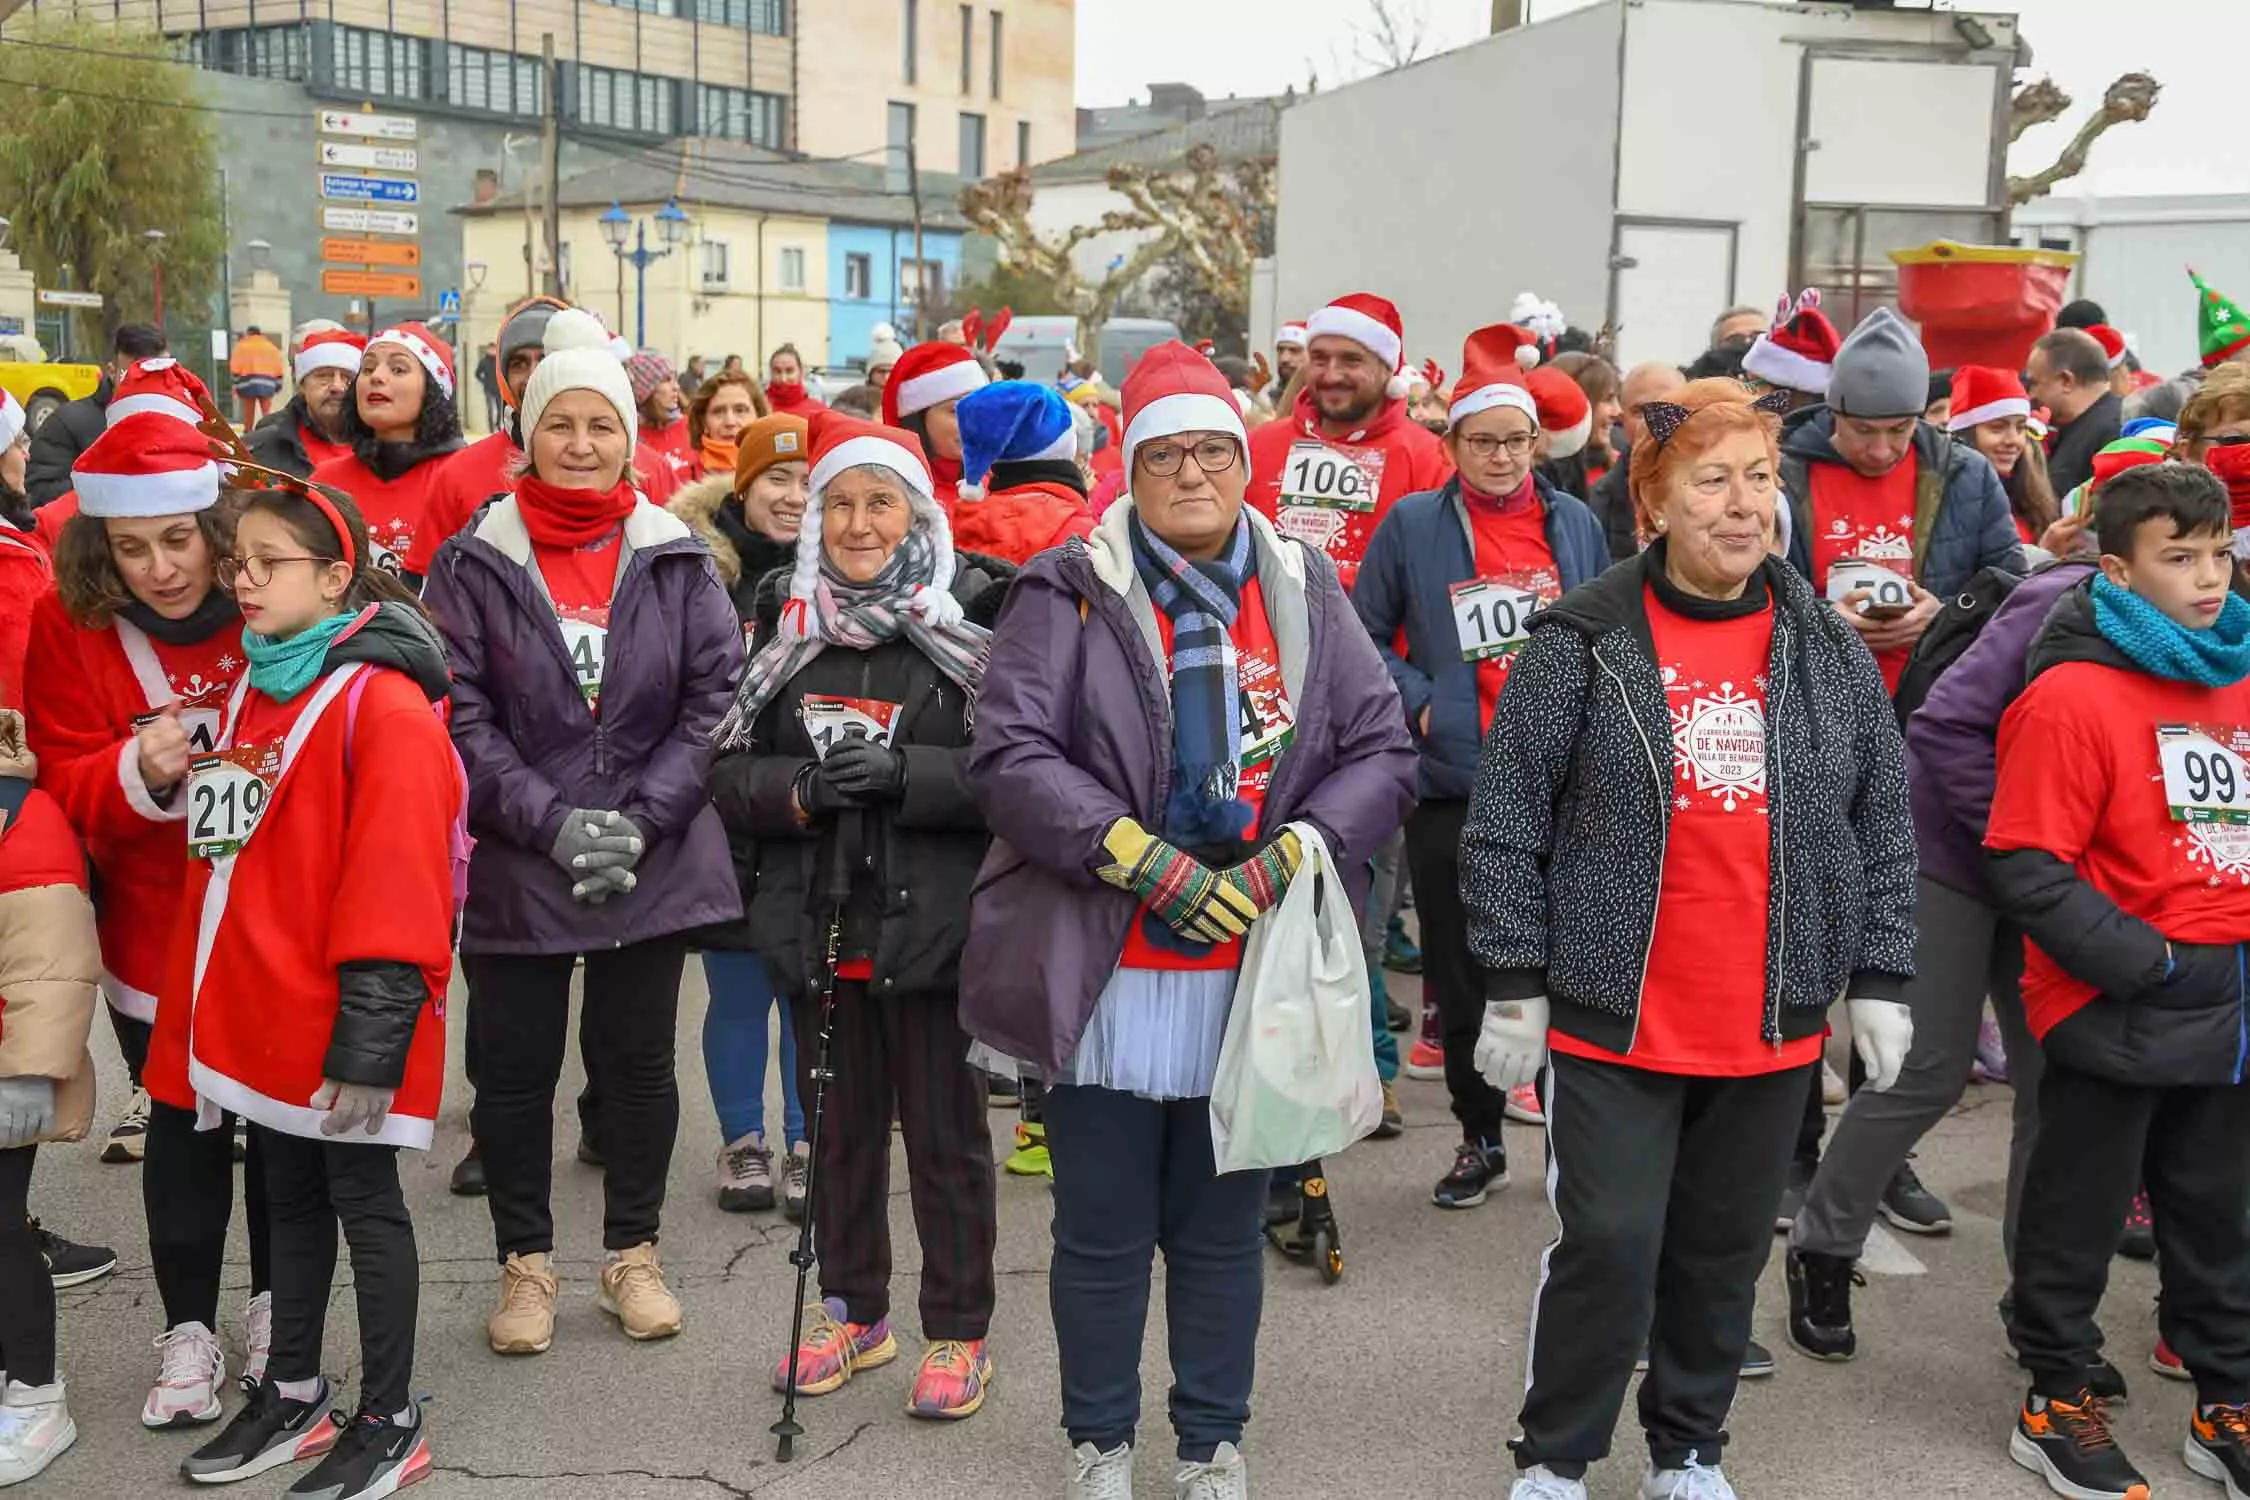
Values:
[(1885, 588), (2206, 777)]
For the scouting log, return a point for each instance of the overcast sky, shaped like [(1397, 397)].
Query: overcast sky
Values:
[(2197, 141)]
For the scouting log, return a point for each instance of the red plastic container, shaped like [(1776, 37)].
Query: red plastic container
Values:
[(1981, 304)]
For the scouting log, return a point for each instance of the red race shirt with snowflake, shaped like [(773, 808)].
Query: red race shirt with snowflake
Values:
[(1703, 1000), (1510, 539), (2080, 777), (581, 581), (1870, 519)]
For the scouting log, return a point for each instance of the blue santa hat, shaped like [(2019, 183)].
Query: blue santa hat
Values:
[(1012, 421)]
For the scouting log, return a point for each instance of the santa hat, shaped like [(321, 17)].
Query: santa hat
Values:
[(1545, 319), (2112, 342), (1372, 323), (1564, 412), (579, 357), (1291, 333), (845, 442), (146, 464), (1172, 389), (340, 350), (1493, 361), (12, 420), (1799, 352), (1012, 421), (1984, 393), (432, 353), (2221, 328), (927, 375), (161, 385)]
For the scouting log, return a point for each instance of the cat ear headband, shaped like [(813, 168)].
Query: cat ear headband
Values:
[(1665, 417)]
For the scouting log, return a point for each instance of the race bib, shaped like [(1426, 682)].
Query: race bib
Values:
[(1317, 476), (2206, 773), (1491, 617), (828, 720), (1268, 724), (588, 645), (1886, 587), (225, 799), (201, 724)]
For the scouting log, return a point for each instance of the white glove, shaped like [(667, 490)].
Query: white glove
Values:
[(1512, 1047), (1883, 1033), (352, 1106), (27, 1110)]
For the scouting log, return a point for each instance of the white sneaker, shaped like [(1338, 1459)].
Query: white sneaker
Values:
[(1695, 1482), (1542, 1483), (1225, 1477), (187, 1383), (257, 1339), (35, 1430), (1095, 1475)]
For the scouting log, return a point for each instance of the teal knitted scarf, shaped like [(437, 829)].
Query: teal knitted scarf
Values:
[(281, 667), (2160, 646)]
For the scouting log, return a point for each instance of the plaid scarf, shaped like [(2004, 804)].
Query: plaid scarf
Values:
[(1201, 599), (861, 616)]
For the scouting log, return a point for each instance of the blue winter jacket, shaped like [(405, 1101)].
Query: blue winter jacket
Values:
[(1422, 548)]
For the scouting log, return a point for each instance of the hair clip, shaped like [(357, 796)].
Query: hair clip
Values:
[(1663, 419), (1776, 402)]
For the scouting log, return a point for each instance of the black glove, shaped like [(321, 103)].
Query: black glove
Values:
[(818, 794), (864, 771)]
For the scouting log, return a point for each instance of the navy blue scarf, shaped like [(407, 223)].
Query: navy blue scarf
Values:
[(1201, 599)]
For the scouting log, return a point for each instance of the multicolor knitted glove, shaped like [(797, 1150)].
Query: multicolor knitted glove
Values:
[(1264, 878), (1187, 895)]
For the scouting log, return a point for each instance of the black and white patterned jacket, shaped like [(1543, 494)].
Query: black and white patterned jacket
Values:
[(1563, 854)]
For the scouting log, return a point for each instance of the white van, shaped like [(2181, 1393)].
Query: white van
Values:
[(1043, 345)]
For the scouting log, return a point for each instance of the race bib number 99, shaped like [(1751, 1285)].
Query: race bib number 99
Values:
[(2206, 775), (1491, 618), (224, 802)]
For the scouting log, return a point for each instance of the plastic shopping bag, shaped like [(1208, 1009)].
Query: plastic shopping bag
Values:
[(1296, 1074)]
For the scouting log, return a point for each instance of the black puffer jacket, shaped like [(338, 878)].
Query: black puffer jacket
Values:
[(909, 866), (278, 442), (1563, 855), (61, 438), (2166, 1015)]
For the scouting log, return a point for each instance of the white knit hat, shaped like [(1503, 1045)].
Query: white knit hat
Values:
[(11, 420), (579, 357)]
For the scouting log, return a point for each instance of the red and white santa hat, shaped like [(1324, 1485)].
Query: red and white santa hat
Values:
[(843, 442), (1291, 333), (1372, 323), (432, 353), (160, 385), (1172, 389), (928, 374), (1493, 362), (2112, 342), (1565, 414), (1985, 393), (1799, 352), (146, 464), (339, 349)]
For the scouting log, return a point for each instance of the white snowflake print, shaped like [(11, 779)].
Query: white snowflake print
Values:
[(1885, 545), (230, 664), (1719, 741), (2224, 848)]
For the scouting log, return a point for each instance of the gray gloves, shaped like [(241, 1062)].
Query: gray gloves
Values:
[(352, 1106), (598, 849), (27, 1110)]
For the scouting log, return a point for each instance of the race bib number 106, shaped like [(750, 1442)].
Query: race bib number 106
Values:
[(1316, 474), (2206, 777)]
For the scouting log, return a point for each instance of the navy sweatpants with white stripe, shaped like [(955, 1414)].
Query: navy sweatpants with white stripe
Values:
[(1665, 1187)]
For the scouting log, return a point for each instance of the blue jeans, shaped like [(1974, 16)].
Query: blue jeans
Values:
[(734, 1048), (1132, 1174)]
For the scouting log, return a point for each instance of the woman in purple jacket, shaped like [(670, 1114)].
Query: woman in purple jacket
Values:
[(595, 831), (1163, 699)]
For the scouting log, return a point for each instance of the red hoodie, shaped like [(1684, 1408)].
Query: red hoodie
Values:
[(794, 400), (1304, 482), (1013, 524)]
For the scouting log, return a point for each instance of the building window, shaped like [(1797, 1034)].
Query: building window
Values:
[(766, 17), (972, 145), (1023, 143), (650, 7), (739, 115), (921, 281), (770, 17), (376, 63), (968, 49), (260, 51), (715, 263), (900, 139), (625, 101), (495, 81), (996, 50), (859, 277), (910, 40), (792, 269)]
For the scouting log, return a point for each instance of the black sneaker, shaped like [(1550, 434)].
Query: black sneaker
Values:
[(2068, 1444), (269, 1431), (2218, 1446), (1820, 1304), (1913, 1207), (1477, 1168), (2107, 1382), (1397, 1017), (374, 1456), (2138, 1242), (1757, 1361), (589, 1154), (128, 1138), (1793, 1195), (71, 1264), (1285, 1200), (468, 1175)]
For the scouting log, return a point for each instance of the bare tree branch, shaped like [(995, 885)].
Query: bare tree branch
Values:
[(2035, 104), (2129, 99), (1394, 35)]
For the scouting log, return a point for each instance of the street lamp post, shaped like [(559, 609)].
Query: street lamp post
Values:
[(155, 238), (617, 226)]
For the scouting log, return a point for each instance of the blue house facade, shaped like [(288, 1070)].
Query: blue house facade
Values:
[(872, 278)]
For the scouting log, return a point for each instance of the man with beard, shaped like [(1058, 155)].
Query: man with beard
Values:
[(1327, 470), (310, 429)]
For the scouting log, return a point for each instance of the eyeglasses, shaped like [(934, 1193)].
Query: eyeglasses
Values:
[(1484, 444), (1212, 456), (2228, 440), (259, 570)]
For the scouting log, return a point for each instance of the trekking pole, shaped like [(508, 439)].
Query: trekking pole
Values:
[(787, 1430)]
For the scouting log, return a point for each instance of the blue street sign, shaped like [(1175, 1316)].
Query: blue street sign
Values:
[(370, 189), (449, 303)]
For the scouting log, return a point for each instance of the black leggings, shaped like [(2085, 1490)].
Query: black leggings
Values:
[(27, 1297), (187, 1189), (315, 1186), (132, 1041)]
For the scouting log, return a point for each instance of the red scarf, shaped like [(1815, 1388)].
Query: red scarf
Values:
[(792, 398), (557, 517), (2232, 466), (1475, 496)]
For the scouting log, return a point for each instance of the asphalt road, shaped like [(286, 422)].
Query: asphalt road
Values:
[(1400, 1381)]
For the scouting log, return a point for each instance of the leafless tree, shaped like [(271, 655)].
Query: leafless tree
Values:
[(1394, 34)]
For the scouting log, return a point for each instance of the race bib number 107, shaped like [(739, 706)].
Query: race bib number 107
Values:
[(1491, 618), (2206, 775)]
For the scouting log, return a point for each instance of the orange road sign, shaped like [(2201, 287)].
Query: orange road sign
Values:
[(356, 252), (386, 284)]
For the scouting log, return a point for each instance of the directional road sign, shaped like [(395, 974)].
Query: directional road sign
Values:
[(389, 285), (70, 299), (368, 221), (380, 127), (388, 158), (347, 252), (341, 185)]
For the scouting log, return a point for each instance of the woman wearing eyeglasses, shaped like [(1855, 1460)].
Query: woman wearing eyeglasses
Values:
[(1454, 575), (2214, 431)]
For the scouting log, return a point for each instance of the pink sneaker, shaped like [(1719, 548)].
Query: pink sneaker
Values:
[(2166, 1362), (835, 1350), (1425, 1060), (952, 1381), (1523, 1105)]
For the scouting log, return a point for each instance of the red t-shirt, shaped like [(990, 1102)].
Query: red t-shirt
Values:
[(1873, 519), (1268, 721), (581, 581), (1703, 1003), (395, 509), (1510, 537), (2079, 777)]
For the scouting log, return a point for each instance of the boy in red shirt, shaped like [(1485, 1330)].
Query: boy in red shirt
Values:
[(2120, 841)]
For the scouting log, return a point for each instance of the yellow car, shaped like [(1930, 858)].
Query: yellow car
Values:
[(42, 387)]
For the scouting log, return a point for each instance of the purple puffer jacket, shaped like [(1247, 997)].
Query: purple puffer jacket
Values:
[(1950, 739), (533, 752), (1074, 731)]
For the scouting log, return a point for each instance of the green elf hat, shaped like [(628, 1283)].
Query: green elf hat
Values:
[(2221, 327), (2151, 443)]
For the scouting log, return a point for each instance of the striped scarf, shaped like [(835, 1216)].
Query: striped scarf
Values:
[(861, 616), (1201, 599)]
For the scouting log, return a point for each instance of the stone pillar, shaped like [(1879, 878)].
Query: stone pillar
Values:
[(19, 303), (260, 301)]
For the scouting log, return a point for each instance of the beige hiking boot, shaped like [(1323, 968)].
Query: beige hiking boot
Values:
[(633, 1291), (524, 1322)]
